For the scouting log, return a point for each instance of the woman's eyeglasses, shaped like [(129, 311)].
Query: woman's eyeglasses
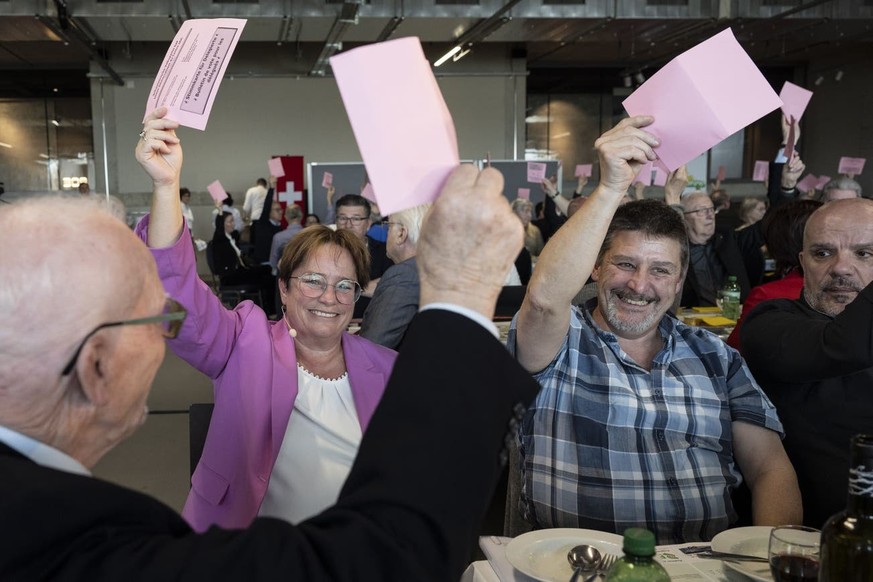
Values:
[(314, 285)]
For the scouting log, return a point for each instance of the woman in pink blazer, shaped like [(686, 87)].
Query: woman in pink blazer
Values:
[(292, 396)]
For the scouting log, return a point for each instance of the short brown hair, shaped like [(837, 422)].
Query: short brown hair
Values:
[(305, 242)]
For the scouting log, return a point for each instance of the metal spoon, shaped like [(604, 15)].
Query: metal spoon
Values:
[(583, 558)]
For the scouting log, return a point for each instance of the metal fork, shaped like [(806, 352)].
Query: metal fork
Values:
[(605, 564)]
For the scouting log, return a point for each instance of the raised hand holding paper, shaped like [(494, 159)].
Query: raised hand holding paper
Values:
[(693, 105), (583, 170), (794, 100), (762, 170), (193, 68), (789, 144), (524, 193), (275, 165), (853, 166), (216, 190), (401, 123), (327, 180), (644, 177), (722, 173)]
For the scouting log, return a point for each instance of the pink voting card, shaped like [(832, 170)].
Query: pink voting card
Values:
[(536, 172), (327, 180), (809, 182), (694, 106), (794, 100), (524, 193), (762, 170), (822, 180), (400, 121), (722, 172), (193, 68), (275, 165), (369, 194), (852, 166), (583, 170), (660, 177), (645, 175), (216, 190)]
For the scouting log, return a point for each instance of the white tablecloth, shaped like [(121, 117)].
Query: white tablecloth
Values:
[(679, 566)]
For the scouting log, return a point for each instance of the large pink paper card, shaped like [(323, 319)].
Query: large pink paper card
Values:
[(275, 166), (327, 180), (400, 121), (852, 166), (794, 100), (583, 170), (216, 190), (644, 177), (193, 68), (369, 194), (694, 107), (809, 182), (761, 171), (524, 193), (536, 172)]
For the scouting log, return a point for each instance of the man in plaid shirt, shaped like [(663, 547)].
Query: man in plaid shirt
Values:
[(641, 420)]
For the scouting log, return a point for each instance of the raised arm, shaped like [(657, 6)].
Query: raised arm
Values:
[(567, 260), (160, 154)]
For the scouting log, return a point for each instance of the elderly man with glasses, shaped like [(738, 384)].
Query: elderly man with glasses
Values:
[(714, 255)]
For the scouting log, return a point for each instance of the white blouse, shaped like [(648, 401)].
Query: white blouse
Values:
[(316, 455)]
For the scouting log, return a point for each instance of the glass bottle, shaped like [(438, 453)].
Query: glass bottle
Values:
[(730, 299), (638, 563), (847, 537)]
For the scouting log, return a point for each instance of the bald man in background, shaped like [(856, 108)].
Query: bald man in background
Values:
[(79, 349)]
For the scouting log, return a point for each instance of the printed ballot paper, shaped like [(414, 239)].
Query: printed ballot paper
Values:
[(851, 166), (193, 67), (400, 121), (536, 172), (217, 191), (794, 100), (694, 106), (275, 167), (583, 170)]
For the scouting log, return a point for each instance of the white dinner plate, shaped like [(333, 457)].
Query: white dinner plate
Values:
[(753, 541), (542, 554)]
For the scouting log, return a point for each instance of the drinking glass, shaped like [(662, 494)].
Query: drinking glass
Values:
[(794, 553)]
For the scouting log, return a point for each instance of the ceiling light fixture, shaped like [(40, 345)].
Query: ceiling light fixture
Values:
[(819, 81), (5, 145), (640, 78), (839, 75), (447, 56), (56, 122), (627, 81)]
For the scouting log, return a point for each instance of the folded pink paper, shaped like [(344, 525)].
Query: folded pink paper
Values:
[(583, 170), (694, 106), (809, 182), (762, 170), (644, 177), (275, 166), (722, 172), (400, 121), (193, 68), (822, 180), (524, 193), (216, 190), (794, 100), (327, 180), (660, 177), (536, 172), (853, 166)]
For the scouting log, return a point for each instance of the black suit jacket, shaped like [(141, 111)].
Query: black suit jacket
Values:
[(409, 510), (729, 253)]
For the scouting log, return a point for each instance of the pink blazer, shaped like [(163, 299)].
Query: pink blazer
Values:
[(253, 366)]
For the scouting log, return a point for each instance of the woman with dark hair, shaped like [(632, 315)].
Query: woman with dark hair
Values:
[(783, 232), (311, 219)]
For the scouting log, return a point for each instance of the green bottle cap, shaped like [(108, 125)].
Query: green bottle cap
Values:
[(639, 542)]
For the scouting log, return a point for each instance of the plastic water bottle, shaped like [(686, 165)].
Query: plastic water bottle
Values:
[(730, 299), (638, 563)]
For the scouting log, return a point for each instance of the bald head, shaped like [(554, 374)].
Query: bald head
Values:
[(74, 267), (837, 255)]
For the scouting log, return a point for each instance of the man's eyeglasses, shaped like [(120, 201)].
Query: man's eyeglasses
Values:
[(171, 321), (706, 211), (314, 285), (356, 220)]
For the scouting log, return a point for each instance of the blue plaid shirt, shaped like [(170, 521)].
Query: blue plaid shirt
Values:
[(609, 445)]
